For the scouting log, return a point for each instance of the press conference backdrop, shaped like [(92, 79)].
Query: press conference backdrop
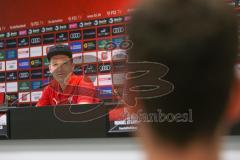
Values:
[(86, 26)]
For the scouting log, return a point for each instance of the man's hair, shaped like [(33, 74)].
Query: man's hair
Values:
[(197, 40)]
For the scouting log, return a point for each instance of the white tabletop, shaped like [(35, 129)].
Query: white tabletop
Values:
[(91, 149)]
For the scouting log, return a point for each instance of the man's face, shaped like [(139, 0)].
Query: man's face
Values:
[(61, 66)]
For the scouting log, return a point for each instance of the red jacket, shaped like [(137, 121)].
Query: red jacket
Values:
[(79, 90)]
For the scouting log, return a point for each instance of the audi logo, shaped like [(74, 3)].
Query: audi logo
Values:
[(118, 30), (75, 35), (35, 40), (103, 68)]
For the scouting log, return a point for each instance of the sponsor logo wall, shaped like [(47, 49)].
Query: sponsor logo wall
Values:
[(24, 66)]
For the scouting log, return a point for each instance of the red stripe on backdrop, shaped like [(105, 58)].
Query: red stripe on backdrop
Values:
[(17, 12)]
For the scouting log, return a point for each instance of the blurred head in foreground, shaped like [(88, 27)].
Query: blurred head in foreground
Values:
[(197, 41)]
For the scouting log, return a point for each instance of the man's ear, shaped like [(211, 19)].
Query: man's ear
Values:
[(233, 111), (50, 69)]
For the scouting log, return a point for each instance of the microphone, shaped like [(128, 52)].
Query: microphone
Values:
[(42, 86)]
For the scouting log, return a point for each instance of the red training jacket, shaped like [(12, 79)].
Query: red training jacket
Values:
[(80, 90)]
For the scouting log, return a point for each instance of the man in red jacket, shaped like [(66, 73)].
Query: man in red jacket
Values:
[(66, 88)]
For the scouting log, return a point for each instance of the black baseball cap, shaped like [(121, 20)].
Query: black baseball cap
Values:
[(59, 49)]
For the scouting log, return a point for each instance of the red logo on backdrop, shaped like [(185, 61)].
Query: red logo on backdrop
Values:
[(104, 56)]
